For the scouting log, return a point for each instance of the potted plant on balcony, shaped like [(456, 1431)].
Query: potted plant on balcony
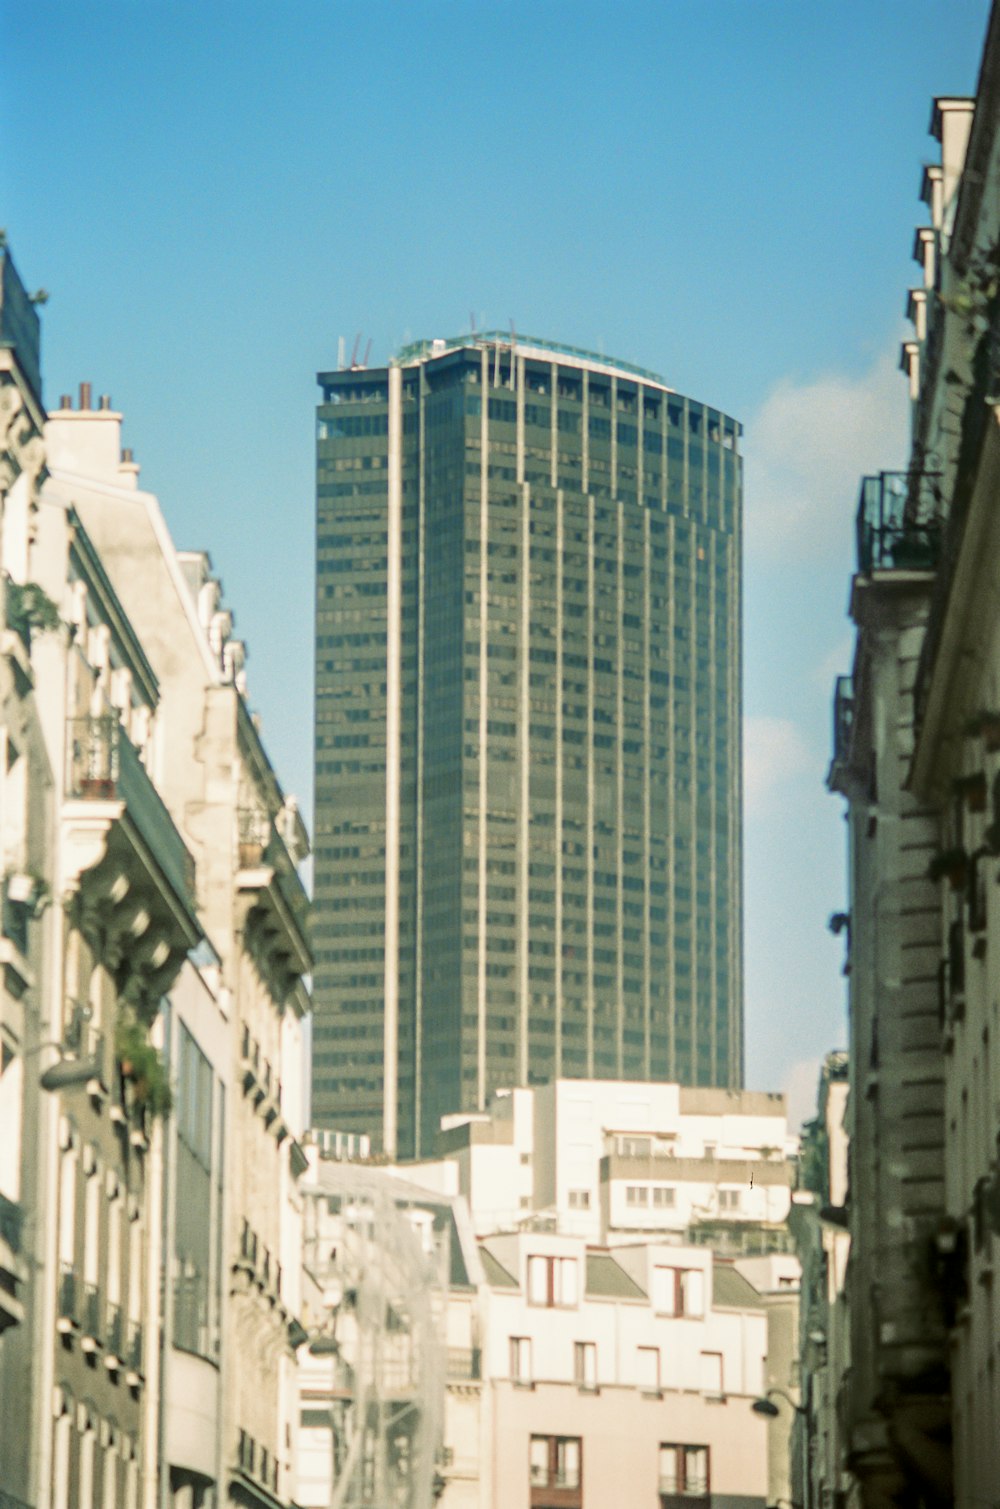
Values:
[(30, 607), (142, 1069)]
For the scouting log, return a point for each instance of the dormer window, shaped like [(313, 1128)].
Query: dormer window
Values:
[(552, 1282)]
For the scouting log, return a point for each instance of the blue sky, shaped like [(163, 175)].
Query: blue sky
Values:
[(722, 191)]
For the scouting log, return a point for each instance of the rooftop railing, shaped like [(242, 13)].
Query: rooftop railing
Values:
[(899, 522)]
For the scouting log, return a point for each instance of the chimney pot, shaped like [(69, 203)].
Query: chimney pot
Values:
[(105, 401), (126, 453), (65, 401), (84, 395)]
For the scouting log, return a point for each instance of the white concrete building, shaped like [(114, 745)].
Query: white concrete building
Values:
[(610, 1160), (571, 1374)]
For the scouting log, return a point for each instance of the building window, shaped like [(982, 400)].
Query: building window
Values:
[(683, 1473), (665, 1195), (585, 1364), (556, 1462), (711, 1373), (679, 1292), (520, 1359), (195, 1317), (636, 1194), (552, 1282), (648, 1369), (730, 1199), (579, 1199)]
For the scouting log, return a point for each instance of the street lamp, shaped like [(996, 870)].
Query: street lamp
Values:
[(765, 1406)]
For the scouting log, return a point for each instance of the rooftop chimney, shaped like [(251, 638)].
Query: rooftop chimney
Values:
[(126, 453), (105, 401), (65, 401), (84, 395)]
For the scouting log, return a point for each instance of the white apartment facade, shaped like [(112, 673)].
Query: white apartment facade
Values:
[(568, 1375), (620, 1376), (610, 1160)]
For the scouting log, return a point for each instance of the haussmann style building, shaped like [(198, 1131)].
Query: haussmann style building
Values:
[(527, 732)]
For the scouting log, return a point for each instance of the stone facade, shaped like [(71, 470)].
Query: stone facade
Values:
[(916, 735)]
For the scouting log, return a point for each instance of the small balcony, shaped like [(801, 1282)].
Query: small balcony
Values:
[(114, 1341), (465, 1364), (899, 522), (843, 719), (104, 766), (91, 1318), (133, 1355), (11, 1223), (69, 1312)]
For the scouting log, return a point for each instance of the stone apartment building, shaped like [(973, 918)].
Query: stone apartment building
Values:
[(154, 950), (916, 740)]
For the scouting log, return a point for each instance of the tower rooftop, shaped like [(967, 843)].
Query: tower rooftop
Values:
[(526, 345)]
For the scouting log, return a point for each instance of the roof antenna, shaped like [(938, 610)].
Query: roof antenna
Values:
[(513, 348), (340, 353), (368, 352)]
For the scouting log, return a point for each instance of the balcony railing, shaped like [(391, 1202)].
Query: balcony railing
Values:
[(91, 1316), (843, 719), (104, 765), (11, 1221), (134, 1348), (899, 522), (68, 1293), (260, 843), (115, 1338), (464, 1364)]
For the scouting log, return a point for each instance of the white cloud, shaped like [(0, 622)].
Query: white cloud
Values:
[(774, 753), (806, 448)]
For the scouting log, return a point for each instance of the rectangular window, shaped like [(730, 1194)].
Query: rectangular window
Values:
[(679, 1291), (684, 1470), (552, 1281), (579, 1199), (194, 1308), (711, 1373), (729, 1199), (636, 1194), (556, 1462), (648, 1369), (665, 1196), (585, 1364), (520, 1359)]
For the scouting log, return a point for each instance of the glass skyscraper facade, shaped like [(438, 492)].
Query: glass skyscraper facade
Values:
[(528, 701)]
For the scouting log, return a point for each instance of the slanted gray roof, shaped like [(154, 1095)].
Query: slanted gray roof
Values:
[(496, 1274), (731, 1288), (607, 1279)]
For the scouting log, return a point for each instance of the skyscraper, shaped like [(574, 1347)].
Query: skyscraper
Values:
[(527, 732)]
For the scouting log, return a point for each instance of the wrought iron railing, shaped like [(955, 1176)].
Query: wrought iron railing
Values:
[(899, 522), (843, 718), (11, 1223), (91, 1317), (67, 1293), (464, 1363), (115, 1331), (134, 1348), (104, 765)]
